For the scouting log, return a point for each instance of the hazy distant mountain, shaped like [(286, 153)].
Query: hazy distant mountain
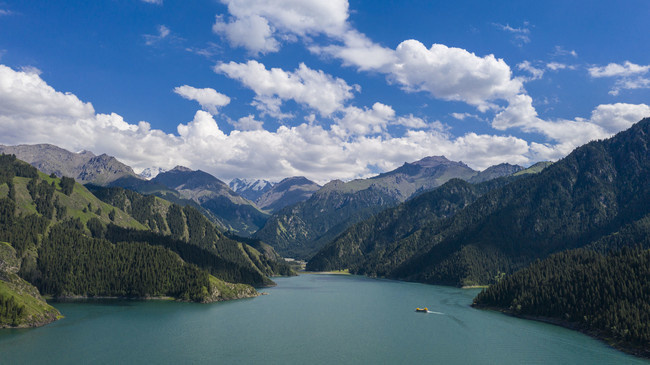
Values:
[(151, 172), (289, 191), (302, 229), (232, 211), (538, 167), (492, 172), (84, 166), (250, 189)]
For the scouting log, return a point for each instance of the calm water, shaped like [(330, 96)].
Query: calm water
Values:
[(317, 319)]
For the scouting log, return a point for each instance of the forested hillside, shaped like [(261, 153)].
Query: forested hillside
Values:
[(593, 192), (67, 242), (602, 289), (224, 257), (300, 230), (374, 246), (368, 243)]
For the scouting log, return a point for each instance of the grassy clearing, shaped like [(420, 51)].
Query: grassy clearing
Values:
[(228, 291)]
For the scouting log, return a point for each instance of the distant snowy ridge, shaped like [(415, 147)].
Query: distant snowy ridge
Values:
[(151, 172), (250, 189)]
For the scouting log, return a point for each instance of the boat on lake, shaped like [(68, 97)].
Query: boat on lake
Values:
[(423, 310)]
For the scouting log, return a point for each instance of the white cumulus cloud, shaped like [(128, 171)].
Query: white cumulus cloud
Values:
[(312, 88), (252, 32), (535, 72), (450, 73), (209, 99), (357, 121), (260, 26), (614, 69), (447, 73), (628, 75)]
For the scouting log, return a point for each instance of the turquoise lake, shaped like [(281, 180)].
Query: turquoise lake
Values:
[(315, 319)]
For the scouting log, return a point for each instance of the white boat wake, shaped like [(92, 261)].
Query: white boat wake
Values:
[(432, 312)]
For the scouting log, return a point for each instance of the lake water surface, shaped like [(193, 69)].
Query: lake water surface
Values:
[(315, 319)]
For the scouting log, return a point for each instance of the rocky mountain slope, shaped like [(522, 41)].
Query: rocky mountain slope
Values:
[(231, 211), (84, 166), (287, 192)]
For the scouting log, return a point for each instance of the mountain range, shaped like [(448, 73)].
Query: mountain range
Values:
[(300, 230), (230, 210)]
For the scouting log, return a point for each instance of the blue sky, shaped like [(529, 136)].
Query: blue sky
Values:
[(321, 88)]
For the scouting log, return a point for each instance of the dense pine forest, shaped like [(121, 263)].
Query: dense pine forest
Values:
[(74, 264), (602, 288), (10, 311), (184, 230), (607, 295)]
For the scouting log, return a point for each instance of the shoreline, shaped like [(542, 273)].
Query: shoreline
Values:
[(593, 333), (333, 272), (72, 298)]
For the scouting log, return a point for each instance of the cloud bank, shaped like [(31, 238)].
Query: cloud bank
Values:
[(31, 111)]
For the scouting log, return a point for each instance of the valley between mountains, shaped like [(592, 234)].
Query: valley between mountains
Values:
[(566, 241)]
